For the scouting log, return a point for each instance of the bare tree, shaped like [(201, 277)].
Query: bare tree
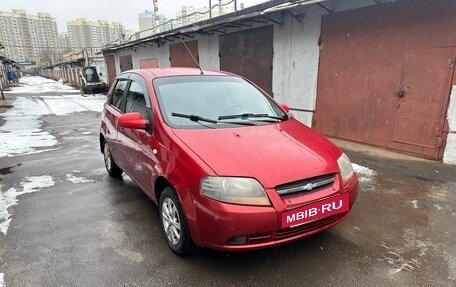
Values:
[(46, 57)]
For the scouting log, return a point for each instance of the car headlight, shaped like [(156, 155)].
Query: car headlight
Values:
[(237, 190), (346, 169)]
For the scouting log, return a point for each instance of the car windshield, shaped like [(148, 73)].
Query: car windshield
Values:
[(214, 101)]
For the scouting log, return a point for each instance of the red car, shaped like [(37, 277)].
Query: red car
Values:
[(229, 168)]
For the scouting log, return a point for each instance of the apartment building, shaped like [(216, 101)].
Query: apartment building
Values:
[(149, 19), (24, 36), (94, 35), (189, 14)]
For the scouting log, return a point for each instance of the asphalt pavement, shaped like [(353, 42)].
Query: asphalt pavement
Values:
[(65, 222)]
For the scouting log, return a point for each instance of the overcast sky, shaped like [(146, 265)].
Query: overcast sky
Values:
[(112, 10)]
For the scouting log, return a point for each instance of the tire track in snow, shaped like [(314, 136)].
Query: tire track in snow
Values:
[(50, 110), (79, 104)]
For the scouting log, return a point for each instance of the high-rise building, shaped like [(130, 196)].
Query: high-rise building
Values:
[(189, 14), (151, 23), (94, 35), (165, 23), (64, 42), (25, 36), (146, 23)]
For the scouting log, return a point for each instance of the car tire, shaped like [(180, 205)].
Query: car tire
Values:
[(174, 224), (111, 166)]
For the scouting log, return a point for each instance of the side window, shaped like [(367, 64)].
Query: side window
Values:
[(116, 99), (136, 101)]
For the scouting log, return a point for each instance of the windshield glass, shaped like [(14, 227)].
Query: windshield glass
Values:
[(213, 98)]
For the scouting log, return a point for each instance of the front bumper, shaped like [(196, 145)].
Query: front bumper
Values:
[(240, 228)]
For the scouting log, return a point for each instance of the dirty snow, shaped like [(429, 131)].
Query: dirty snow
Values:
[(35, 84), (414, 203), (77, 179), (409, 256), (364, 174), (22, 132), (10, 197), (2, 283)]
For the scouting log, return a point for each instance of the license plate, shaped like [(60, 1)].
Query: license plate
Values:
[(317, 210)]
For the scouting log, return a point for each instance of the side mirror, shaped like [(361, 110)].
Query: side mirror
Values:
[(132, 121), (286, 108)]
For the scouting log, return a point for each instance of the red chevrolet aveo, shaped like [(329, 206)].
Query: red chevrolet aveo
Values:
[(229, 168)]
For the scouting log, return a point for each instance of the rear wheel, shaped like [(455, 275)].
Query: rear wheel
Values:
[(174, 223), (111, 167)]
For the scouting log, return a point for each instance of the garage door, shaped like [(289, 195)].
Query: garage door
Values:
[(179, 56), (111, 68), (249, 54), (148, 63), (385, 75), (126, 63)]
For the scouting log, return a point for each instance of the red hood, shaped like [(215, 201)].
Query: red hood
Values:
[(273, 153)]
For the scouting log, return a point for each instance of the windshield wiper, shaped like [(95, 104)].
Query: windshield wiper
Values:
[(195, 118), (249, 115)]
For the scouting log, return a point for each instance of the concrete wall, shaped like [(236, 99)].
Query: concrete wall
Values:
[(449, 155), (141, 53), (208, 50), (295, 63)]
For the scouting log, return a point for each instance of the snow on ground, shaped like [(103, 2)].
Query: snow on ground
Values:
[(2, 283), (22, 132), (77, 179), (364, 174), (35, 84), (10, 197)]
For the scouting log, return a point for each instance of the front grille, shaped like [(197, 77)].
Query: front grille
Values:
[(306, 185), (292, 231)]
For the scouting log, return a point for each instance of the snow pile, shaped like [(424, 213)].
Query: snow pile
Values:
[(364, 174), (22, 132), (10, 197), (2, 283), (37, 84), (64, 105)]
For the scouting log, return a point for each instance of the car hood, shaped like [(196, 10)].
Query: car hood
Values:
[(273, 153)]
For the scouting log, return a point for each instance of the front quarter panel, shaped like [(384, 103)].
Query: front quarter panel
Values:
[(182, 168)]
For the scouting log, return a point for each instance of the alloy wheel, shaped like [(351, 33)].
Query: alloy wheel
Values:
[(171, 221)]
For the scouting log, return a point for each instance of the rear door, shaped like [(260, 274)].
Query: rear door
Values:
[(134, 144), (113, 109)]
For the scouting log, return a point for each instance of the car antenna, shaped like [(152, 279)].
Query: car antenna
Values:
[(191, 55)]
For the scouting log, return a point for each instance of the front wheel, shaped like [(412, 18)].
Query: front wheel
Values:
[(174, 223), (111, 167)]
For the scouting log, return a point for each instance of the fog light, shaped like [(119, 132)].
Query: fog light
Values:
[(238, 240)]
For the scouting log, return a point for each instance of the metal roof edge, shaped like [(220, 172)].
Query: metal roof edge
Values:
[(244, 14)]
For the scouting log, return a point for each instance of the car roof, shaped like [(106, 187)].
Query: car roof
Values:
[(174, 71)]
